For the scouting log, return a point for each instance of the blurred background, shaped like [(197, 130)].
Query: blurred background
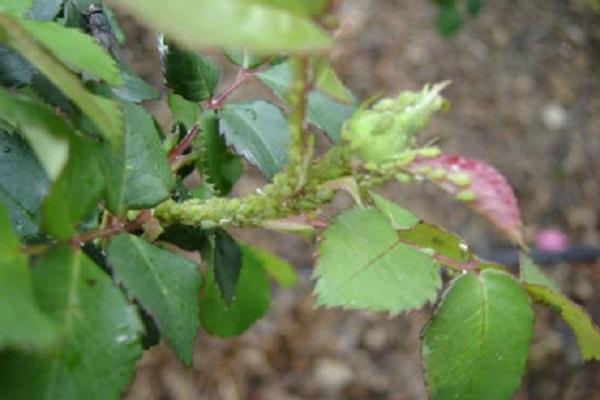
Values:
[(525, 98)]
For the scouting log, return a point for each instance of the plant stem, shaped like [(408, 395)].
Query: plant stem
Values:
[(185, 143), (115, 228), (242, 76)]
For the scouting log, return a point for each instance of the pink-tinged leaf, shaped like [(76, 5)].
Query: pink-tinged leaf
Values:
[(477, 184)]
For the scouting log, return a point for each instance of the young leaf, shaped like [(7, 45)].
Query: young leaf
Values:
[(532, 274), (90, 57), (586, 332), (230, 24), (22, 322), (323, 112), (225, 259), (183, 111), (250, 301), (221, 168), (165, 284), (134, 88), (277, 268), (76, 191), (17, 7), (399, 217), (363, 265), (475, 347), (329, 83), (101, 333), (244, 58), (190, 75), (139, 174), (305, 7), (259, 132), (479, 185), (46, 133), (23, 196), (105, 113)]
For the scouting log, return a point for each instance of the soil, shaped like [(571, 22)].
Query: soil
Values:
[(525, 98)]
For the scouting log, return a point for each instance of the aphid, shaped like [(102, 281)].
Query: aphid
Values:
[(98, 26)]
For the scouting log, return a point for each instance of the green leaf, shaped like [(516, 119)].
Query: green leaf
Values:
[(363, 265), (244, 58), (586, 332), (46, 133), (323, 112), (101, 335), (76, 191), (259, 132), (23, 184), (105, 113), (134, 88), (427, 236), (225, 260), (304, 7), (90, 57), (14, 70), (166, 285), (250, 302), (230, 24), (221, 168), (449, 19), (474, 6), (475, 347), (22, 323), (399, 217), (139, 174), (330, 84), (277, 268), (17, 7), (45, 10), (183, 111), (532, 274), (190, 75)]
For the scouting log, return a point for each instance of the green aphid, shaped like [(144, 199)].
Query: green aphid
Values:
[(459, 178), (465, 195), (437, 174)]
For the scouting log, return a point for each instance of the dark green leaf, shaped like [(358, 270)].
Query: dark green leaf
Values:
[(46, 133), (586, 332), (474, 6), (250, 302), (22, 323), (189, 238), (45, 10), (475, 347), (449, 19), (14, 70), (229, 24), (363, 265), (140, 176), (259, 132), (190, 75), (134, 88), (225, 259), (76, 191), (166, 285), (23, 184), (221, 168), (100, 344), (277, 268)]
